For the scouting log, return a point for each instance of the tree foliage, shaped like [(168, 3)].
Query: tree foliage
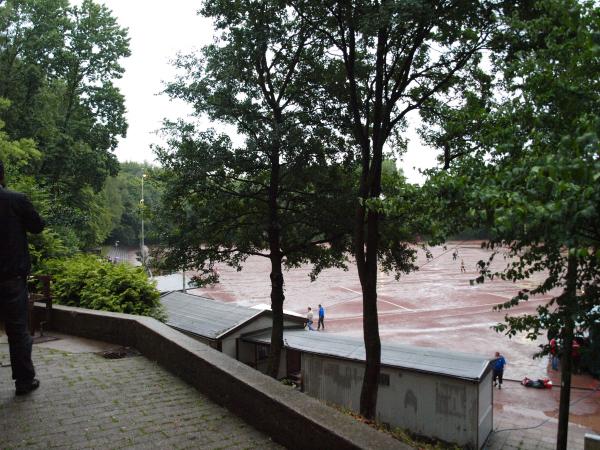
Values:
[(386, 59), (531, 172), (89, 282), (57, 66), (123, 195), (284, 192)]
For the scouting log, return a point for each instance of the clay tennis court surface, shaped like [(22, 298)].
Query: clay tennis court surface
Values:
[(434, 307)]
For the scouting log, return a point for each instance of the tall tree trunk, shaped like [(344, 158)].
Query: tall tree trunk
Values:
[(368, 270), (276, 257), (370, 386), (277, 298), (366, 240), (567, 305)]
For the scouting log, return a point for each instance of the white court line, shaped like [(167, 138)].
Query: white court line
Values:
[(397, 306), (394, 313), (445, 316), (506, 296), (433, 330), (351, 290), (479, 305), (378, 299)]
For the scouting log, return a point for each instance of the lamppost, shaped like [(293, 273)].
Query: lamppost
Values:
[(143, 246)]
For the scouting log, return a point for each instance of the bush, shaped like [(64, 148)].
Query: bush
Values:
[(87, 281)]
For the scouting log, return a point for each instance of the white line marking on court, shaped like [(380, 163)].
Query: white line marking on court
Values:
[(378, 299), (396, 305), (478, 305), (444, 316), (351, 290), (506, 296), (433, 330)]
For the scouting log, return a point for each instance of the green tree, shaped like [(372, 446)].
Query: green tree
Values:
[(532, 172), (21, 158), (124, 193), (58, 63), (388, 58), (284, 193), (93, 109)]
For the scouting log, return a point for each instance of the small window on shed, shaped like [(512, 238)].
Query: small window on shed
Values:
[(384, 379), (262, 352)]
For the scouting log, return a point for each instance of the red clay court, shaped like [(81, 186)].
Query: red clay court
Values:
[(434, 307)]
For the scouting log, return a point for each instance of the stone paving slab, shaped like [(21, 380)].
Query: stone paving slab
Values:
[(86, 401), (526, 428)]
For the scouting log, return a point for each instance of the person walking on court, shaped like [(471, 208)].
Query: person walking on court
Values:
[(17, 217), (309, 319), (462, 266), (498, 369), (321, 318)]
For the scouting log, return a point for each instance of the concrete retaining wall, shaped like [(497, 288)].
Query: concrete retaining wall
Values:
[(291, 418)]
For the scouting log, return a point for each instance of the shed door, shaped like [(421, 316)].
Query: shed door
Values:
[(294, 359)]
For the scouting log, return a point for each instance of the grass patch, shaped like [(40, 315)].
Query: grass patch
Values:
[(405, 436)]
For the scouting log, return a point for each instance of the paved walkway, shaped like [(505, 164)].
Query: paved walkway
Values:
[(87, 401), (531, 423)]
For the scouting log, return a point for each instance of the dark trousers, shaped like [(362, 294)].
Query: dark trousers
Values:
[(498, 374), (14, 314), (321, 323)]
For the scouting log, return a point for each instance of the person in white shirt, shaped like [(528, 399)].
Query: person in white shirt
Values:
[(309, 319)]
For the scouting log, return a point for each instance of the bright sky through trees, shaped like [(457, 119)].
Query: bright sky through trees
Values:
[(157, 35)]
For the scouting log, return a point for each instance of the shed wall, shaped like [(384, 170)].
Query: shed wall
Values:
[(246, 352), (430, 405), (486, 408), (228, 343)]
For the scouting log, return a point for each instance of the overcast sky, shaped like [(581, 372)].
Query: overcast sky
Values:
[(158, 31)]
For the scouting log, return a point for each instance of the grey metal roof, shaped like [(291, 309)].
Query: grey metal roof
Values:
[(202, 316), (435, 361)]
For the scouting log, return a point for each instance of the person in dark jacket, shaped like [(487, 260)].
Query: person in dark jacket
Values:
[(498, 369), (17, 217), (321, 318)]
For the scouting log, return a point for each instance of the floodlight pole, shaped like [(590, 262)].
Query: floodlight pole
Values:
[(143, 246)]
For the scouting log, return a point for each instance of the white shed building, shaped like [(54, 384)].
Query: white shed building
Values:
[(433, 393), (219, 324), (172, 282)]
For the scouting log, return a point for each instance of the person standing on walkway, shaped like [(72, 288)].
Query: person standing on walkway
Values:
[(17, 217), (498, 370), (554, 353), (321, 318), (309, 319)]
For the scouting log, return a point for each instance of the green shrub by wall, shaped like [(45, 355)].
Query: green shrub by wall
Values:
[(90, 282)]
